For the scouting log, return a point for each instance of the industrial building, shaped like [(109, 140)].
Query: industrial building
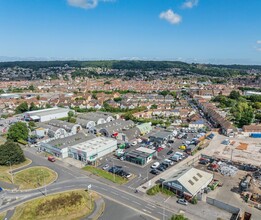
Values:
[(91, 150), (60, 147), (144, 128), (86, 148), (159, 136), (112, 128), (91, 119), (140, 156), (188, 182), (44, 115), (57, 129)]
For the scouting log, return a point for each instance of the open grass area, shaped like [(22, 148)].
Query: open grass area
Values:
[(34, 177), (158, 189), (105, 174), (63, 206), (4, 171), (2, 215)]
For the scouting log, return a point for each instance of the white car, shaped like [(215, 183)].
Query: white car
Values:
[(155, 165), (134, 143), (182, 202), (139, 140), (169, 162), (105, 167)]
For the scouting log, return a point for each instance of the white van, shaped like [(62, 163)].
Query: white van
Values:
[(169, 162)]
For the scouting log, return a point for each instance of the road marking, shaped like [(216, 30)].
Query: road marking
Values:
[(146, 210), (115, 193), (162, 213), (136, 202), (124, 197), (151, 206), (103, 189)]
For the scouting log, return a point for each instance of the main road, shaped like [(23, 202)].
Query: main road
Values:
[(71, 178)]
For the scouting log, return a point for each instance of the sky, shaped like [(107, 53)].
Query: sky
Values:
[(208, 31)]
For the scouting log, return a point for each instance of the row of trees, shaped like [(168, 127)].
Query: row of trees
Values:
[(24, 107), (244, 109)]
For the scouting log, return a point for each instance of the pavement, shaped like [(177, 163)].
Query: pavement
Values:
[(98, 209)]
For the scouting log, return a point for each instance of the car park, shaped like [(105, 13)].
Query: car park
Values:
[(182, 201), (161, 168), (170, 162), (159, 149)]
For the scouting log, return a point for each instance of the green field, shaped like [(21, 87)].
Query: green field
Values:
[(4, 171), (63, 206), (105, 174), (34, 177)]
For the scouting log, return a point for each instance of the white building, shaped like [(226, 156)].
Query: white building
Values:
[(47, 114), (93, 149)]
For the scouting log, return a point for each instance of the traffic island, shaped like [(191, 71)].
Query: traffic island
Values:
[(69, 205), (34, 177)]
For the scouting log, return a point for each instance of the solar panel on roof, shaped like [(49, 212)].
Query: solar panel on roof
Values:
[(190, 181), (199, 175)]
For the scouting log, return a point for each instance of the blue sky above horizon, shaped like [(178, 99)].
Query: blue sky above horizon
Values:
[(210, 31)]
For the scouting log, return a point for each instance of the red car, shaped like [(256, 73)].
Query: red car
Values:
[(159, 149), (51, 158)]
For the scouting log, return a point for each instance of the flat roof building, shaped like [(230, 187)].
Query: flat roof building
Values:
[(44, 115), (140, 156)]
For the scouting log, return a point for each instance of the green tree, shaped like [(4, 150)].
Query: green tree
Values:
[(33, 107), (31, 87), (18, 131), (164, 92), (234, 95), (70, 114), (178, 217), (118, 99), (31, 125), (48, 105), (23, 107), (38, 97), (154, 106), (11, 153)]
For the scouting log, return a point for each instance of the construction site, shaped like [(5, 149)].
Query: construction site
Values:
[(246, 151)]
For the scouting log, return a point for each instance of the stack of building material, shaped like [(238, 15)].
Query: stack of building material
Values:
[(227, 170)]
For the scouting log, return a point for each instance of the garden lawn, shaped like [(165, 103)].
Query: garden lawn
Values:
[(34, 177), (63, 206), (105, 174)]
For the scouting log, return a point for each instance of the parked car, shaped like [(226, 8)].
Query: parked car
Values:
[(182, 201), (161, 168), (105, 167), (159, 149), (134, 143), (155, 172), (155, 165), (204, 162), (170, 152), (170, 162)]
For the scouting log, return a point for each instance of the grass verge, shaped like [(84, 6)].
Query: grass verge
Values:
[(63, 206), (2, 215), (4, 171), (158, 189), (34, 177), (105, 174)]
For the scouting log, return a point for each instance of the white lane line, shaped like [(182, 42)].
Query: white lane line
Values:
[(103, 189), (162, 213), (136, 202), (124, 197), (151, 206), (146, 211), (115, 193)]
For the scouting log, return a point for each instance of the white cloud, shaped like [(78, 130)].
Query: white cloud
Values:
[(86, 4), (258, 42), (190, 3), (170, 16), (258, 49)]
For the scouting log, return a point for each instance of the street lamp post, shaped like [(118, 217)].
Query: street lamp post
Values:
[(11, 171)]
